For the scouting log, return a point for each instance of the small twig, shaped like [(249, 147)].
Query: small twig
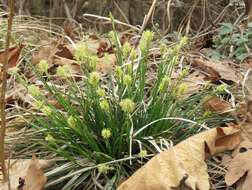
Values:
[(187, 18), (190, 16), (68, 14), (147, 17), (3, 89), (108, 19), (121, 12), (248, 8), (168, 9), (95, 180), (221, 15), (217, 20), (131, 138), (204, 8), (244, 82)]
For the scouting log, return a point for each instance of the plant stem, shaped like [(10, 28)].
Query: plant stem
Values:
[(3, 89)]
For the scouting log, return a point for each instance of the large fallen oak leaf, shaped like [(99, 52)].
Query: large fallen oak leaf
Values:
[(183, 165), (215, 71), (239, 170)]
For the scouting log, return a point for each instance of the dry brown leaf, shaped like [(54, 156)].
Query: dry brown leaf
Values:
[(194, 82), (13, 56), (35, 178), (46, 52), (246, 129), (93, 45), (168, 169), (103, 47), (241, 110), (106, 64), (240, 169), (62, 54), (70, 29), (216, 70), (75, 67), (239, 163), (243, 147), (65, 51), (215, 104), (19, 169), (53, 51)]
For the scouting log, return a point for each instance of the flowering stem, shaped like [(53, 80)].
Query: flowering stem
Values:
[(131, 138), (3, 89)]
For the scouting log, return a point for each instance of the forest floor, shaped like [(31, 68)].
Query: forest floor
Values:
[(86, 110)]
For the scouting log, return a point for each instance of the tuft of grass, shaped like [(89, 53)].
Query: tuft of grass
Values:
[(107, 124)]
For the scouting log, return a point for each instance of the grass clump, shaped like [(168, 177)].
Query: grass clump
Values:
[(116, 117)]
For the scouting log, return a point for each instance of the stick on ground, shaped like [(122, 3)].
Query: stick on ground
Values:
[(3, 89)]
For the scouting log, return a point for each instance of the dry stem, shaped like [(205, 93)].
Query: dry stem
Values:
[(3, 89)]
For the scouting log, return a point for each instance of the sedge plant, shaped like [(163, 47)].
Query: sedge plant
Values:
[(115, 117)]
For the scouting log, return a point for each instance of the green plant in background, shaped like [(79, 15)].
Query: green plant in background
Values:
[(104, 119), (233, 42)]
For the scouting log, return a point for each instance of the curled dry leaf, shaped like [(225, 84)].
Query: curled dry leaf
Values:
[(75, 67), (52, 51), (45, 52), (215, 71), (14, 53), (106, 64), (97, 46), (215, 104), (183, 165), (35, 178), (102, 49), (65, 51), (194, 82), (239, 170), (13, 56), (70, 29)]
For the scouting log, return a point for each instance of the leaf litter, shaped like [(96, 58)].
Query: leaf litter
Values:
[(238, 164), (184, 162), (216, 70), (179, 162), (182, 169), (183, 175)]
